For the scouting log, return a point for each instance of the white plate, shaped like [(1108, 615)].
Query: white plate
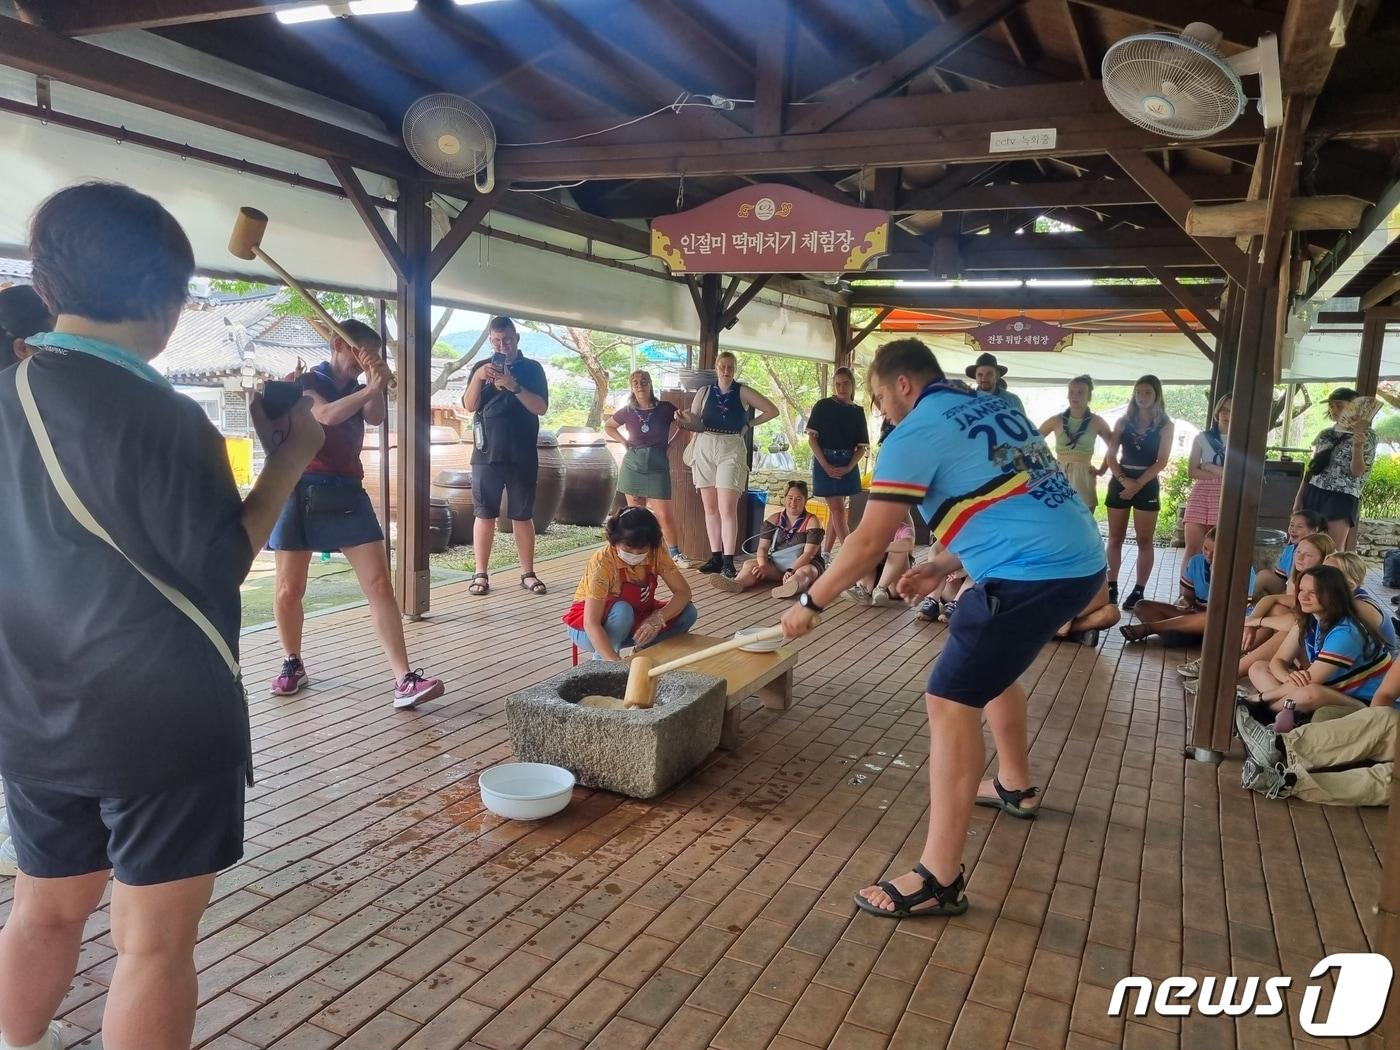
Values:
[(526, 790), (769, 645)]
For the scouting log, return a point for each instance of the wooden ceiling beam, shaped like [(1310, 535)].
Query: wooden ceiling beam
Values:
[(1081, 193), (630, 71), (1029, 298), (1165, 190), (89, 17), (1240, 23), (1084, 39), (1187, 297), (685, 22), (774, 74), (40, 52), (899, 69), (1305, 51)]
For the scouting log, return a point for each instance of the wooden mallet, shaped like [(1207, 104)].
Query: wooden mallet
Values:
[(246, 243), (642, 674)]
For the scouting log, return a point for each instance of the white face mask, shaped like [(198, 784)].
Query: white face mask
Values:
[(629, 557)]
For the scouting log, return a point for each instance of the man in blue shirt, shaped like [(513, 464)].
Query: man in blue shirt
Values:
[(994, 497)]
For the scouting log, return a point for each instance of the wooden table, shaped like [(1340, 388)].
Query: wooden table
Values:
[(765, 675)]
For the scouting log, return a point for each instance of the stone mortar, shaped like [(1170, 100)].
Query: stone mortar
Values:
[(639, 753)]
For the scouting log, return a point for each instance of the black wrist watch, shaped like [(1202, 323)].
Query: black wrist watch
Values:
[(805, 600)]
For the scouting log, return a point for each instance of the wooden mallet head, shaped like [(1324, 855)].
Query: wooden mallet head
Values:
[(641, 689), (248, 230)]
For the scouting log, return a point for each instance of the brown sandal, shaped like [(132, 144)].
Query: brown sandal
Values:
[(537, 587), (481, 584)]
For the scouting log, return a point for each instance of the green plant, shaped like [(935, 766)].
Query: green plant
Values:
[(1176, 483), (1380, 496)]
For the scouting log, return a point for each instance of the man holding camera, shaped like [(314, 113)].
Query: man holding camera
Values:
[(506, 395)]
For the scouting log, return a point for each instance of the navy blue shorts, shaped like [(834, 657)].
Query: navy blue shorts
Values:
[(299, 530), (516, 481), (190, 829), (1334, 506), (997, 631)]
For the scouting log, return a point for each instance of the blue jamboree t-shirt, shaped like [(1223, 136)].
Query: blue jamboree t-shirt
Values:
[(989, 487), (1360, 662), (1196, 575), (1285, 561)]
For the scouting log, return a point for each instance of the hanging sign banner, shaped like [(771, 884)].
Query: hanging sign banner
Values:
[(770, 228), (1019, 333)]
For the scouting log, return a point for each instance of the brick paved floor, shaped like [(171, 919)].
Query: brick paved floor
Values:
[(379, 906)]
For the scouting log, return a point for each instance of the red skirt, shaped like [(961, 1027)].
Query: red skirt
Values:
[(1203, 502)]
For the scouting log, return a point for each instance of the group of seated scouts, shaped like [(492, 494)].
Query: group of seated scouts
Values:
[(1317, 701)]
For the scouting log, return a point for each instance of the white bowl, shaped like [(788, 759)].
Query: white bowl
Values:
[(526, 790), (768, 645)]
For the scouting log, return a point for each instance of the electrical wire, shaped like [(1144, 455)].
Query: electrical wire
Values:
[(682, 101)]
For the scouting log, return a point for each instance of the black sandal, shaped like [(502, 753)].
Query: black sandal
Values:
[(537, 587), (1010, 801), (481, 584), (951, 899)]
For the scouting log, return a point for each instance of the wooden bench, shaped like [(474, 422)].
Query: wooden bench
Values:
[(765, 675)]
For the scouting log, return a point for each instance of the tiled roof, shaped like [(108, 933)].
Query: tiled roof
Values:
[(206, 342)]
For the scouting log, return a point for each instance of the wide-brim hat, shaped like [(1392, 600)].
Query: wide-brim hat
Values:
[(984, 359)]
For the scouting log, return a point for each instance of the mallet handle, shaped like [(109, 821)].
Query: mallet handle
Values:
[(301, 290), (723, 647)]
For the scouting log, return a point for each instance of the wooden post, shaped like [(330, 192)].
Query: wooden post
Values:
[(1368, 367), (415, 399), (1227, 345), (711, 312), (841, 330), (1266, 287)]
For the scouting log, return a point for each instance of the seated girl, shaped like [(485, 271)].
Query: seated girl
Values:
[(1329, 657), (1188, 615), (789, 550), (1302, 523), (616, 603), (1099, 615), (1270, 619), (877, 586), (1373, 613), (942, 603)]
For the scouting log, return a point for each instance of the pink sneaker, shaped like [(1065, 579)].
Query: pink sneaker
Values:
[(414, 689), (292, 680)]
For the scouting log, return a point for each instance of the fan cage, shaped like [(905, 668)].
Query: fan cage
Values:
[(432, 117), (1204, 93)]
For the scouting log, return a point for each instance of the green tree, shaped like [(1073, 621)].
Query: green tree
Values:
[(598, 355)]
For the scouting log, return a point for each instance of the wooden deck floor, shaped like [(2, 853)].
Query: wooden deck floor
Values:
[(379, 906)]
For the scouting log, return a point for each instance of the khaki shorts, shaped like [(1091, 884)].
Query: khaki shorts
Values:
[(720, 461)]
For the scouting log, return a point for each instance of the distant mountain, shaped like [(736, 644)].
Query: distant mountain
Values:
[(532, 344)]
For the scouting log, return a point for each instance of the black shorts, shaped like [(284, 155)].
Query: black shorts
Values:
[(997, 631), (1334, 506), (515, 480), (1149, 497), (188, 830)]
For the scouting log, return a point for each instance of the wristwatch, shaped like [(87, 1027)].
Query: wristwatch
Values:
[(805, 600), (1290, 705)]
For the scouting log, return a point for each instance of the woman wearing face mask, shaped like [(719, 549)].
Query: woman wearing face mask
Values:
[(1077, 430), (22, 314), (616, 604), (645, 478), (719, 457), (789, 550), (1337, 472), (1137, 454), (839, 438), (1206, 467)]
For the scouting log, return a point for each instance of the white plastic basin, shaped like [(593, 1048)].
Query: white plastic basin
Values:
[(526, 790)]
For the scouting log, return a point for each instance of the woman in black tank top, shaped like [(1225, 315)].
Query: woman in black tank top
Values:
[(1137, 455)]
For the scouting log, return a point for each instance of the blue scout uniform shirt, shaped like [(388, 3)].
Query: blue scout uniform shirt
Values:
[(1360, 662), (989, 487), (1285, 561), (1196, 575), (1386, 628)]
